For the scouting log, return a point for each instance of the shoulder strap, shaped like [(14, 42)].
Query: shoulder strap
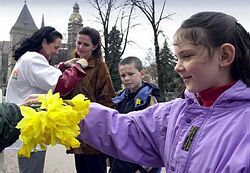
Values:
[(142, 96), (120, 97)]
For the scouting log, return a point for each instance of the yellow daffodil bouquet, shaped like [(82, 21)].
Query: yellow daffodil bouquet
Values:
[(53, 122)]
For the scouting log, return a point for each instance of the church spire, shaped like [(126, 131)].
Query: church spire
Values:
[(42, 24), (76, 8)]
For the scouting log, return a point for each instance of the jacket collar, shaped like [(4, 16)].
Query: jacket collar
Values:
[(234, 96), (140, 96), (92, 61), (209, 96)]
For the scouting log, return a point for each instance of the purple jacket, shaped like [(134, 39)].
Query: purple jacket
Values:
[(181, 135)]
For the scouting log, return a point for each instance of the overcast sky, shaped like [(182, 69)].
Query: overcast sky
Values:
[(57, 13)]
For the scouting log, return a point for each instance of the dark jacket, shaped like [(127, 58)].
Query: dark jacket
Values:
[(98, 87), (145, 96), (10, 115)]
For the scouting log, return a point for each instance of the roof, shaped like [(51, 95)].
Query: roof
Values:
[(25, 20)]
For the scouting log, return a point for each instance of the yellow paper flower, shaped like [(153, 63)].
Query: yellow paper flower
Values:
[(137, 101), (55, 122)]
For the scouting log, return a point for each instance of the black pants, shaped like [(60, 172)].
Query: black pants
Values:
[(90, 163), (119, 166)]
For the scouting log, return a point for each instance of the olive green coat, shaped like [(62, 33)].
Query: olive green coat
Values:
[(10, 115)]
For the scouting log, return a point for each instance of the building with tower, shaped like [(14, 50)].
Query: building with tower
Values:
[(75, 23), (25, 27)]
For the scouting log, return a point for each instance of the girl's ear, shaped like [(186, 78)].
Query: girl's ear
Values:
[(227, 55)]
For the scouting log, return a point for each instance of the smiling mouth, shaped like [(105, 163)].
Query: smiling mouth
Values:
[(186, 78)]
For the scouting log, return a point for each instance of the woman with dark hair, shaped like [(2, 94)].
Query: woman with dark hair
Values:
[(98, 87), (33, 74)]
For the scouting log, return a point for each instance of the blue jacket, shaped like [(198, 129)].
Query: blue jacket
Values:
[(148, 94)]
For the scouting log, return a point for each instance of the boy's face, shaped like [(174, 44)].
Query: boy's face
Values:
[(131, 77)]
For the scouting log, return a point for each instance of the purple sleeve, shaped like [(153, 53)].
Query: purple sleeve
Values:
[(124, 136)]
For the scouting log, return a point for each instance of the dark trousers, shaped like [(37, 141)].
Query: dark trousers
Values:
[(90, 163), (33, 164), (119, 166)]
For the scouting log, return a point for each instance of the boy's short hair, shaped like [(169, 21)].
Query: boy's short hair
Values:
[(131, 60)]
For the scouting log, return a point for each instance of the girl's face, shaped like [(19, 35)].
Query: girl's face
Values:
[(52, 48), (131, 77), (84, 46), (198, 69)]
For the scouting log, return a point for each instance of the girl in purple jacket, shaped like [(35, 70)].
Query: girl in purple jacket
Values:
[(208, 131)]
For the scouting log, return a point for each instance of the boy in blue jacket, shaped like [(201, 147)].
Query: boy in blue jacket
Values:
[(137, 95)]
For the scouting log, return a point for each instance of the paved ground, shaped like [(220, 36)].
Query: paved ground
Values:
[(57, 161)]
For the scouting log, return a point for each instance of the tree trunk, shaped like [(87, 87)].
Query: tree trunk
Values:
[(158, 64)]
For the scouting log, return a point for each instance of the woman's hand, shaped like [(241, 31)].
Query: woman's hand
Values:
[(32, 99), (68, 63), (83, 62)]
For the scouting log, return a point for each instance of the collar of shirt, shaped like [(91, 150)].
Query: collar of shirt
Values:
[(208, 97)]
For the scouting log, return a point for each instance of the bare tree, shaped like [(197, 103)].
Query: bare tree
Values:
[(105, 8), (149, 10), (150, 67), (115, 37)]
